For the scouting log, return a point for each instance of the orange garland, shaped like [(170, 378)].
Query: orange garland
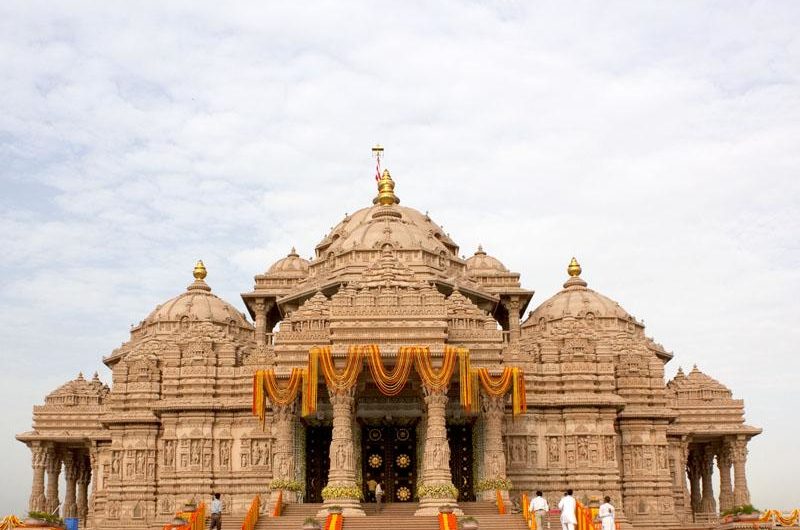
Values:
[(310, 378), (276, 512), (345, 379), (448, 521), (391, 383), (495, 387), (251, 518), (434, 380), (501, 506), (333, 521), (283, 396)]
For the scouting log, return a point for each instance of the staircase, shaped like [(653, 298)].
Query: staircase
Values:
[(395, 516)]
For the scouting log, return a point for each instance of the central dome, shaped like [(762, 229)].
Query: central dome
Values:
[(386, 223)]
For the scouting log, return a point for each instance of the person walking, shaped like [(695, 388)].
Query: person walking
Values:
[(378, 497), (538, 508), (607, 514), (567, 506), (216, 513)]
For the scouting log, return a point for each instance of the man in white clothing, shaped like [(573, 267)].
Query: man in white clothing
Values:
[(606, 514), (378, 497), (567, 506), (216, 513), (538, 508)]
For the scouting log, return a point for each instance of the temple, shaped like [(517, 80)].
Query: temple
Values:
[(388, 358)]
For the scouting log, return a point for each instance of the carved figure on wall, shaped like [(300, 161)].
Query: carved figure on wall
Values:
[(583, 448), (608, 448), (552, 450), (169, 453), (662, 458), (258, 453), (532, 452), (195, 452), (225, 453), (139, 462), (245, 460), (115, 463)]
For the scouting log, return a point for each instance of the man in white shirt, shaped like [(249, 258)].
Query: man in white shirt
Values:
[(538, 508), (606, 514), (216, 513), (378, 496), (567, 506)]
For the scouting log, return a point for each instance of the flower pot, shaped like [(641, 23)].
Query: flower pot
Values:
[(311, 526), (469, 525), (35, 522), (445, 509), (747, 517)]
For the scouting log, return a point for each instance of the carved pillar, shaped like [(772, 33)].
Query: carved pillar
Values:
[(707, 504), (38, 502), (261, 322), (436, 467), (494, 458), (512, 307), (724, 465), (71, 464), (84, 477), (283, 417), (53, 471), (342, 473), (693, 470), (685, 492), (741, 495)]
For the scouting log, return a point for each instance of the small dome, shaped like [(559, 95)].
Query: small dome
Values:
[(197, 303), (576, 300), (79, 391), (482, 264), (292, 264)]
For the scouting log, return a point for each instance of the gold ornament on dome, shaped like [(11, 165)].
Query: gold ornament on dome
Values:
[(200, 271), (403, 461), (375, 461), (403, 493), (574, 268)]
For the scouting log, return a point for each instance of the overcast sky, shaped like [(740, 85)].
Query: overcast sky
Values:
[(657, 142)]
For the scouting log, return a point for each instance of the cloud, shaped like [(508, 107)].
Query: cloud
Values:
[(658, 143)]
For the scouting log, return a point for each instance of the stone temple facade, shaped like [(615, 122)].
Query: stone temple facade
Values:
[(177, 424)]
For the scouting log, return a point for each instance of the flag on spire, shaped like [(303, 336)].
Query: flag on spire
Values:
[(378, 152)]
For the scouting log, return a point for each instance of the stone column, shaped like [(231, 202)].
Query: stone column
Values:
[(707, 504), (53, 471), (283, 417), (494, 458), (436, 467), (693, 470), (84, 477), (38, 502), (741, 495), (512, 307), (71, 474), (342, 473), (261, 322), (724, 466)]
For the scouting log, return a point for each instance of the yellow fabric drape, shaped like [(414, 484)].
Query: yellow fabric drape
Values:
[(465, 378), (434, 380), (345, 379), (283, 396), (390, 383)]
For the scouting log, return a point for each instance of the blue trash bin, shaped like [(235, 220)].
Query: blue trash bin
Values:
[(71, 523)]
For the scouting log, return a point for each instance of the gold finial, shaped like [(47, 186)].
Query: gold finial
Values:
[(574, 268), (377, 150), (386, 196), (200, 271)]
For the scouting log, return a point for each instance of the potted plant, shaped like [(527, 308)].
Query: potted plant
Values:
[(468, 523), (745, 512), (178, 521), (445, 509), (310, 524), (43, 519), (190, 505), (334, 508)]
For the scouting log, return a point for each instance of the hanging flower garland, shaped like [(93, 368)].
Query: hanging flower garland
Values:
[(465, 378), (432, 379), (345, 379), (283, 396), (390, 383), (519, 400), (495, 387), (258, 395), (310, 378)]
